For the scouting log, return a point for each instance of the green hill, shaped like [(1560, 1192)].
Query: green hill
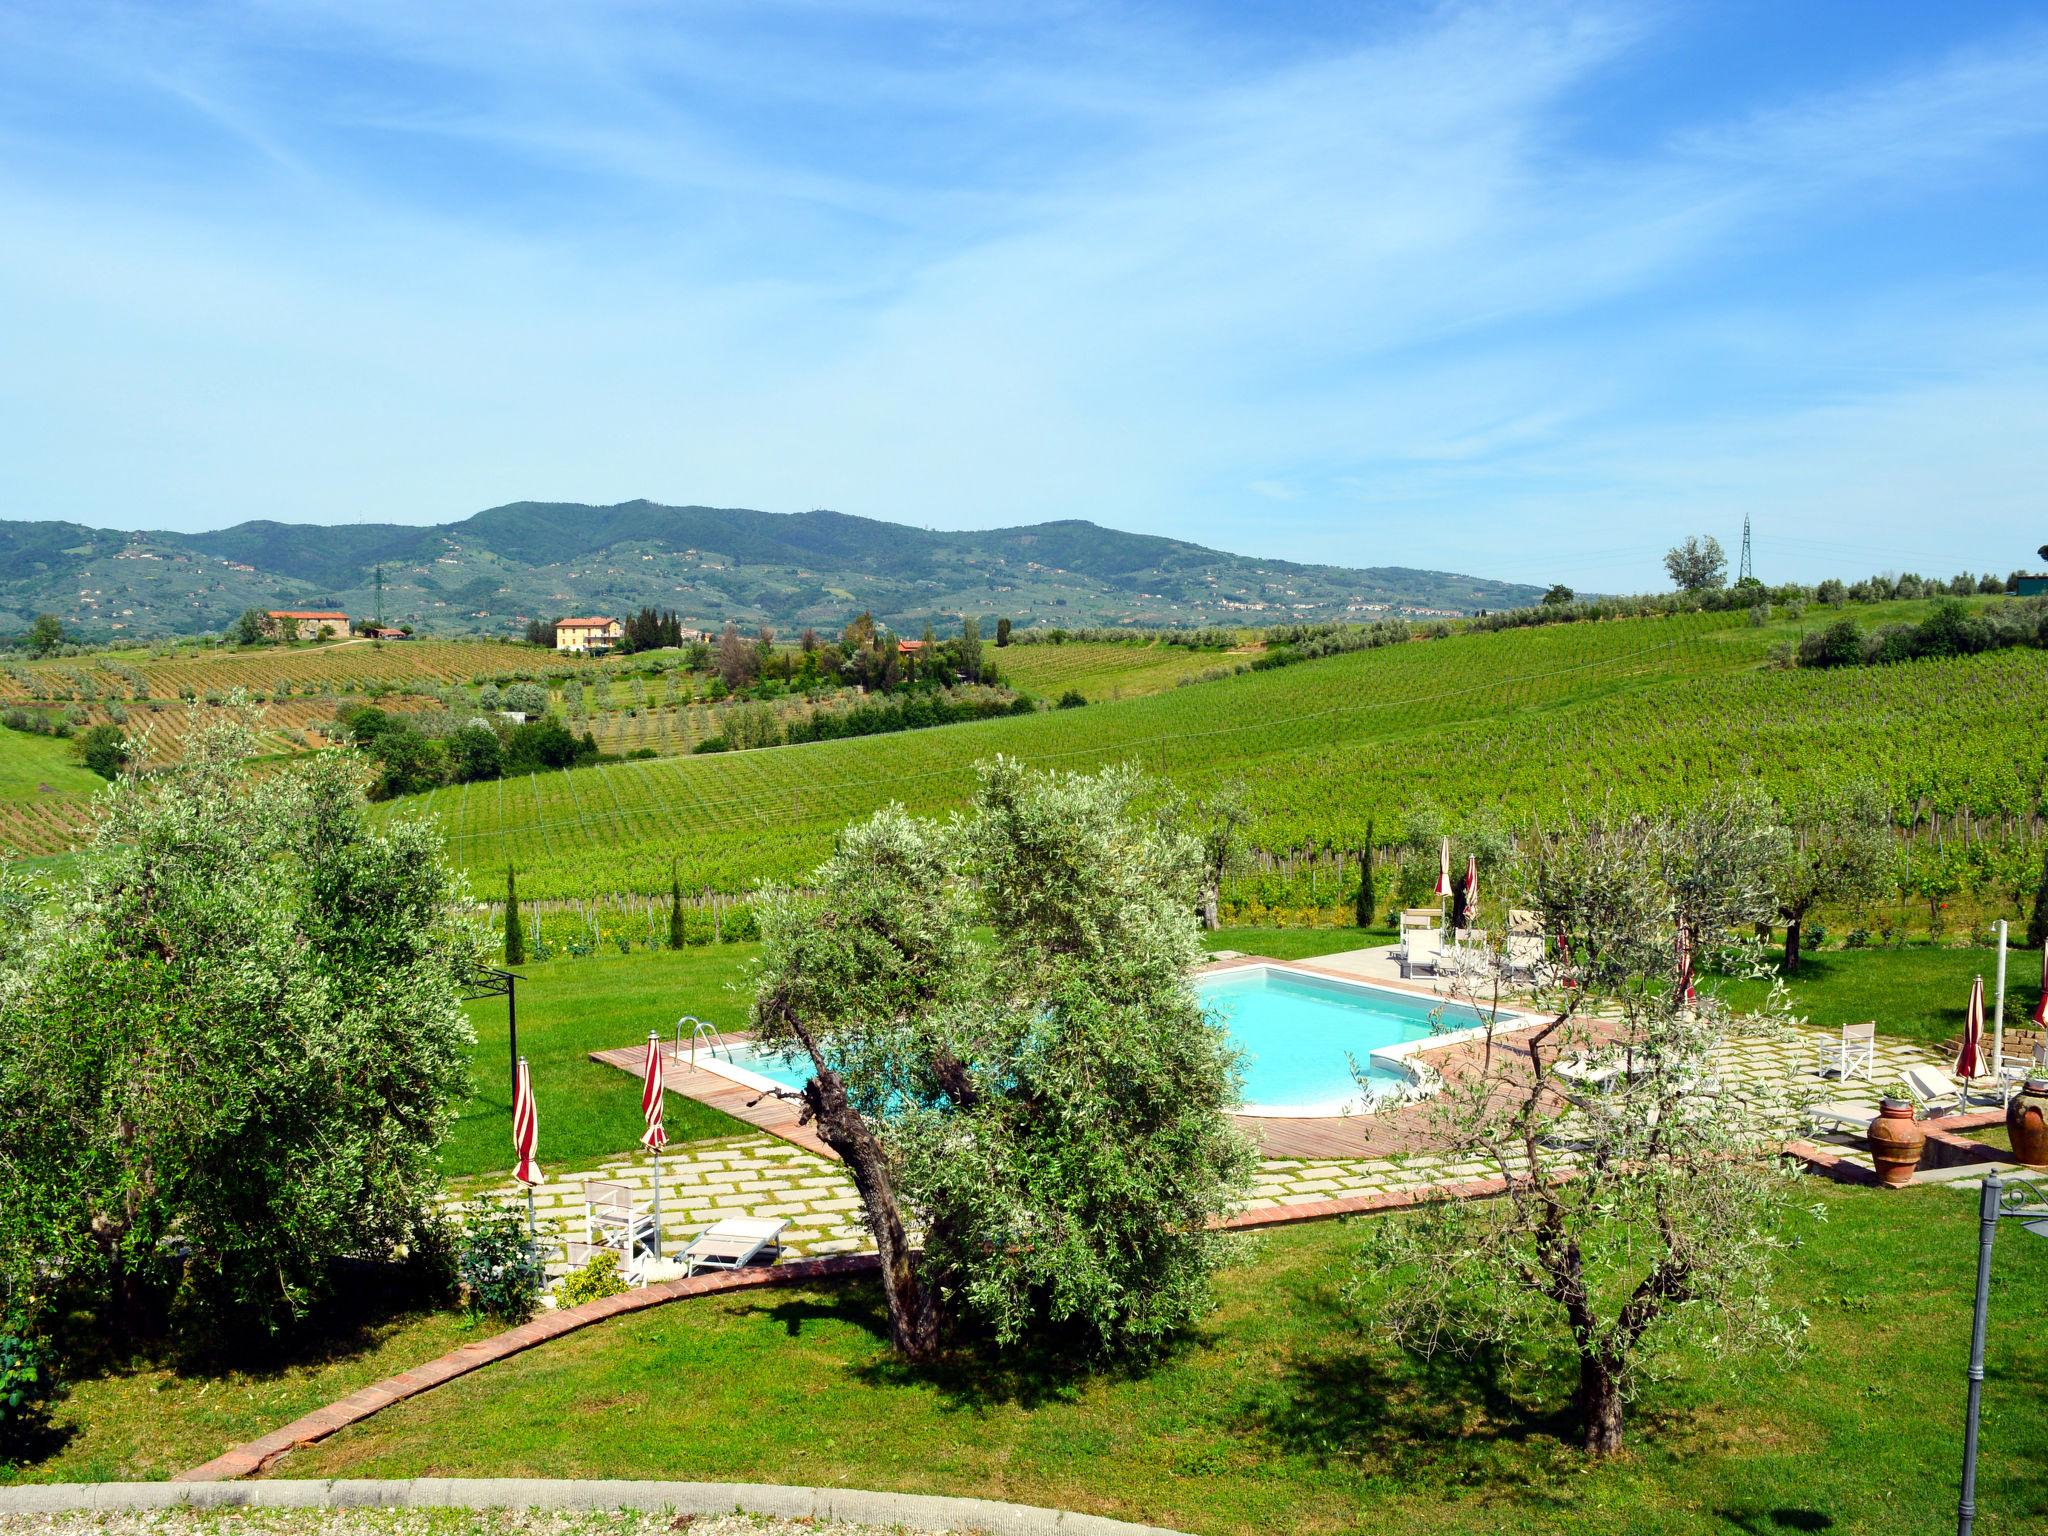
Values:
[(490, 573), (1536, 719)]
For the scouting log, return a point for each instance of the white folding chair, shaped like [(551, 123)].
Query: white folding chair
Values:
[(613, 1219), (1854, 1055)]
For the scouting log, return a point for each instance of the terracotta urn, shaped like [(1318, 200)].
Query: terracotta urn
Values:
[(2026, 1122), (1896, 1142)]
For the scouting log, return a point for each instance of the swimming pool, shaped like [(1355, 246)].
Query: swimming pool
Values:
[(1300, 1034)]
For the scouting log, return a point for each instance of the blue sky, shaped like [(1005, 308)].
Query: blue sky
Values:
[(1522, 290)]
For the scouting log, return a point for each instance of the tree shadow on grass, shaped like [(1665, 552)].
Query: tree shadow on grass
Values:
[(1448, 1422), (1775, 1522), (27, 1445), (366, 1302), (973, 1374)]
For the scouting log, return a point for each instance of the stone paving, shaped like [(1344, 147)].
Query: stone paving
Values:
[(762, 1175), (703, 1182)]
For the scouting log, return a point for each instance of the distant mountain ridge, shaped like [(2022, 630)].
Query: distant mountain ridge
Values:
[(491, 572)]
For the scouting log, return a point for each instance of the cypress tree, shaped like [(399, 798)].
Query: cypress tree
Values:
[(675, 907), (1365, 881), (515, 936), (2037, 925)]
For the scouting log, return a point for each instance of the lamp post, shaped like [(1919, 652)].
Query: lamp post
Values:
[(2026, 1202)]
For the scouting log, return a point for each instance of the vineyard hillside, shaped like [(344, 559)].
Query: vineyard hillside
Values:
[(1537, 720)]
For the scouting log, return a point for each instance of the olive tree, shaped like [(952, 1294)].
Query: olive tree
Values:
[(1697, 565), (1046, 1108), (229, 1051), (1635, 1216), (1840, 847)]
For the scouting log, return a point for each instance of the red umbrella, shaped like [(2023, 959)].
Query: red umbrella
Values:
[(525, 1129), (1968, 1062), (1685, 987), (2041, 1008), (1471, 886), (654, 1138), (651, 1096)]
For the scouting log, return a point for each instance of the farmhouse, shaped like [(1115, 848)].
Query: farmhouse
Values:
[(305, 623), (587, 634)]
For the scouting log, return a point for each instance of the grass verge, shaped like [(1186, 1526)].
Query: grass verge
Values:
[(1282, 1415)]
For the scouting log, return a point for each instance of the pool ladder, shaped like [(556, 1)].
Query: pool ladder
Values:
[(704, 1030)]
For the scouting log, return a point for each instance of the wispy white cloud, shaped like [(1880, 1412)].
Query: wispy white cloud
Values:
[(1363, 296)]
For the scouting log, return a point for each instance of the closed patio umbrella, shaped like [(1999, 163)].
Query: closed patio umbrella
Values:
[(2041, 1008), (1685, 986), (1471, 887), (1969, 1060), (1443, 872), (654, 1138), (525, 1137)]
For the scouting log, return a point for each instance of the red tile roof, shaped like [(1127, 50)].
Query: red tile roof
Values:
[(585, 623), (300, 613)]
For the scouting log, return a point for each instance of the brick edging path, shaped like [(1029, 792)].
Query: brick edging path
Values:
[(247, 1460), (914, 1511)]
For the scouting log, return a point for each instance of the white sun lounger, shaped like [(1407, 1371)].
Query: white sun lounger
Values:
[(1422, 949), (1840, 1115), (1585, 1072), (733, 1243), (1939, 1090)]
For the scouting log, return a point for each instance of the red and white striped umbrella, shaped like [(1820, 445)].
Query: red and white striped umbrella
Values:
[(525, 1129), (1968, 1063), (2041, 1008), (1685, 986), (651, 1096), (1471, 885), (1443, 869)]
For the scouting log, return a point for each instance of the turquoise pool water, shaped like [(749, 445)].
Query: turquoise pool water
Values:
[(1299, 1035)]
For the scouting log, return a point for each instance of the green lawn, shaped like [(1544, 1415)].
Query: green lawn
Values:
[(1281, 1417), (1296, 943), (568, 1008), (32, 765), (1918, 993), (125, 1419)]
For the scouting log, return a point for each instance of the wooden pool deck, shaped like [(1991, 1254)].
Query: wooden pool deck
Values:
[(778, 1117)]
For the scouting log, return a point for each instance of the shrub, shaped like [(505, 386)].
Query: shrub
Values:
[(498, 1262), (1071, 699), (593, 1282), (27, 1379)]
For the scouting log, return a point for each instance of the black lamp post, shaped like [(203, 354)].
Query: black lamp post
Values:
[(2024, 1201)]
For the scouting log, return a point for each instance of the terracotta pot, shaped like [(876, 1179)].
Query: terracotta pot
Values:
[(2026, 1121), (1896, 1142)]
